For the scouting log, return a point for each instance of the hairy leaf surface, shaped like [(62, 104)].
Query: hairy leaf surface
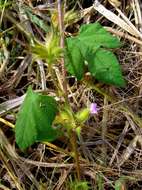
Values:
[(34, 122), (74, 58), (104, 66), (94, 35)]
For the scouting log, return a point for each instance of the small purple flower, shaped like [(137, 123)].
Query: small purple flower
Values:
[(93, 108)]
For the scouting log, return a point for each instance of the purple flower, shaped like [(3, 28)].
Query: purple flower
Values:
[(93, 108)]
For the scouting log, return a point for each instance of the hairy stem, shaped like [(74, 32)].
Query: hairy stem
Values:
[(73, 140), (62, 44)]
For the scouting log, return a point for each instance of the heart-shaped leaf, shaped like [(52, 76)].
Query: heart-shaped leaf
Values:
[(34, 122)]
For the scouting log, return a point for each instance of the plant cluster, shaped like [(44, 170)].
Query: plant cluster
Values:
[(87, 51)]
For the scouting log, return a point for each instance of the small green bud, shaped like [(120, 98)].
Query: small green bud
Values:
[(78, 131), (82, 115), (65, 119), (50, 50), (62, 118)]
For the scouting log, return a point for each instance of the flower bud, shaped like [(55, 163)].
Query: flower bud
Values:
[(62, 118), (78, 131), (82, 115)]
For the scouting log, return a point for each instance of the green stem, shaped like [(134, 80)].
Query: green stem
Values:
[(73, 138), (73, 141), (62, 44)]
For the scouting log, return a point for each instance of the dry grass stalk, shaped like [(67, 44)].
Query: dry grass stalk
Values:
[(120, 141), (123, 23)]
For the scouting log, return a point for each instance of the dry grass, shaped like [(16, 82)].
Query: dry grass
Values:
[(110, 146)]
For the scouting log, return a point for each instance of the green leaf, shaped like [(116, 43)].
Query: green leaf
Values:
[(87, 46), (100, 181), (119, 184), (50, 51), (4, 4), (34, 122), (74, 60), (105, 67), (39, 22), (82, 185), (40, 51), (95, 36)]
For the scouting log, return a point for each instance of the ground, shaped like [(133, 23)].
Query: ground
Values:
[(106, 154)]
